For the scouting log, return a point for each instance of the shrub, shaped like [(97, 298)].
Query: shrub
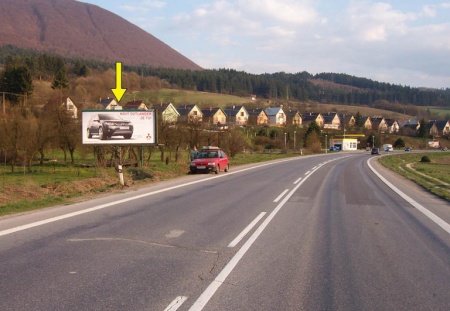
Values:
[(425, 159), (399, 143)]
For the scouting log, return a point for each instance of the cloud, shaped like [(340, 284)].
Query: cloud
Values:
[(283, 11), (143, 7), (377, 21), (378, 40)]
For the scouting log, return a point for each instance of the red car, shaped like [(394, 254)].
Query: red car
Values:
[(210, 159)]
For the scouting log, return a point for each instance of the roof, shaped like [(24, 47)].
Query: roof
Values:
[(185, 109), (390, 122), (255, 112), (329, 117), (273, 111), (162, 106), (310, 116), (209, 112), (291, 113), (133, 104), (233, 111), (441, 124)]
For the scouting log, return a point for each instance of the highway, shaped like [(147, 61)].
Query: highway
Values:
[(329, 232)]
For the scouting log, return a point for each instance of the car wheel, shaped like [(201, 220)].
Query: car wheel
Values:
[(89, 135), (217, 169), (127, 136), (101, 133), (227, 168)]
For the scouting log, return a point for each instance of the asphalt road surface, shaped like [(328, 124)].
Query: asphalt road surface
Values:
[(326, 232)]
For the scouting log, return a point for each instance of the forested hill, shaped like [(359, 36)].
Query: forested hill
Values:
[(302, 86), (278, 87)]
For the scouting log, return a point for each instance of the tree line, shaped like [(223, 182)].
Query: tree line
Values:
[(299, 87), (276, 86)]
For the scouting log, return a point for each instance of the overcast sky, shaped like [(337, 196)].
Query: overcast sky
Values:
[(404, 42)]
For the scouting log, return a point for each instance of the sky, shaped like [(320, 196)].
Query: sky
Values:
[(403, 42)]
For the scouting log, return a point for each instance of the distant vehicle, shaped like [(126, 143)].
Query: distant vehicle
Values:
[(388, 148), (334, 148), (375, 151), (106, 125), (444, 149), (210, 159), (408, 149)]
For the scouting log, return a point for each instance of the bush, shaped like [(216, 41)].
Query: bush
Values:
[(399, 143), (425, 159)]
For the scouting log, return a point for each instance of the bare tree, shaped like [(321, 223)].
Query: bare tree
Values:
[(67, 131)]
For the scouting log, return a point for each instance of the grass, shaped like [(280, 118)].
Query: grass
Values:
[(433, 176), (179, 97), (437, 112), (61, 183)]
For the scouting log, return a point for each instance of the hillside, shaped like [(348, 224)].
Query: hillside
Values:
[(82, 30)]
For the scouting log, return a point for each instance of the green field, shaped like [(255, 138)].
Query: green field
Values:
[(433, 176), (180, 97), (440, 113)]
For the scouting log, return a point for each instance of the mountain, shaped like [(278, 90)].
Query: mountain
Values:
[(80, 30)]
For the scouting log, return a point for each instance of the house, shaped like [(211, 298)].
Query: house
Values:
[(236, 115), (432, 128), (135, 105), (379, 124), (313, 116), (214, 116), (366, 123), (276, 116), (347, 120), (409, 127), (392, 126), (109, 104), (443, 128), (65, 104), (294, 118), (190, 113), (438, 128), (331, 121), (166, 112), (258, 116)]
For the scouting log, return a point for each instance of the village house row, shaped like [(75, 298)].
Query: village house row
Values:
[(273, 116)]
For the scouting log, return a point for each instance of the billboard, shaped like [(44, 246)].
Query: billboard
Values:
[(118, 127)]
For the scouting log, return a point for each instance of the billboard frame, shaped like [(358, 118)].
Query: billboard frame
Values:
[(142, 131)]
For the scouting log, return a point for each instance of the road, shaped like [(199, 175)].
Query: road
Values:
[(322, 232)]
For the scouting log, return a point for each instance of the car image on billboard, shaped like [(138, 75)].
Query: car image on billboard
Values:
[(104, 126)]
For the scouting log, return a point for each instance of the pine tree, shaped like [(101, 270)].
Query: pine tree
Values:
[(60, 81), (16, 81)]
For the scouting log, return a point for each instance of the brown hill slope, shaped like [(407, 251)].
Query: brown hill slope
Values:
[(76, 29)]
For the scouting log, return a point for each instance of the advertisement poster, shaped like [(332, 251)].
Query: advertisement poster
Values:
[(118, 127)]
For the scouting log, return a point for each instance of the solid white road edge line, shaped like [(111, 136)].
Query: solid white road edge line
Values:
[(174, 305), (436, 219), (246, 230), (99, 207), (280, 196)]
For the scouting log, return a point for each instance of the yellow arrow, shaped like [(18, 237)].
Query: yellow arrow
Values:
[(118, 91)]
